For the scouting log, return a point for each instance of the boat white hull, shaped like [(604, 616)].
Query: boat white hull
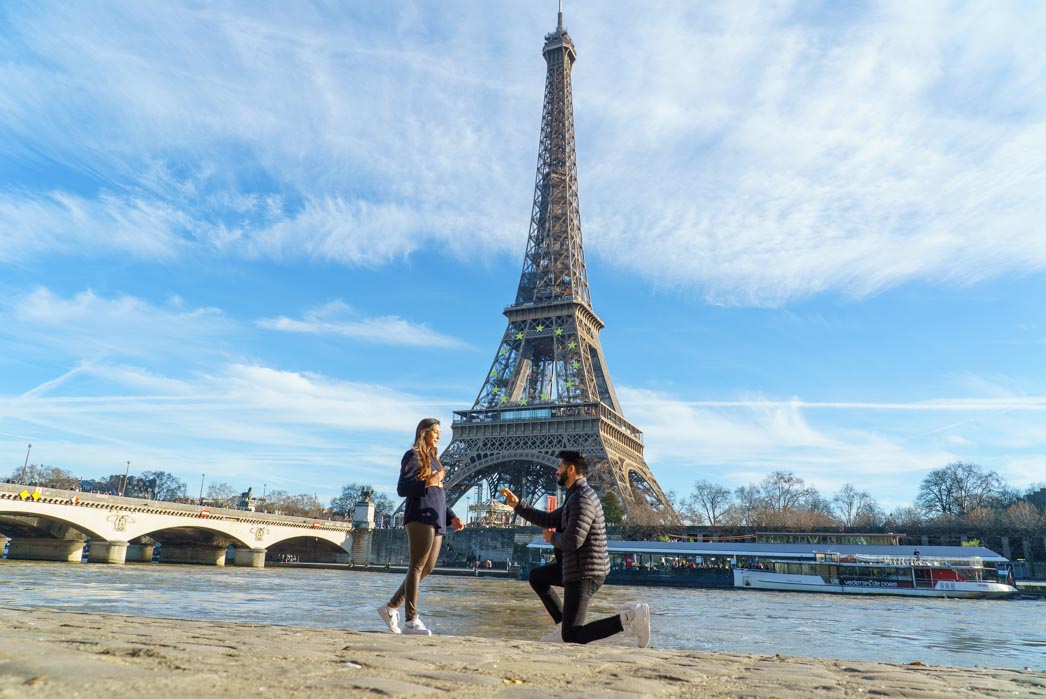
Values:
[(768, 580)]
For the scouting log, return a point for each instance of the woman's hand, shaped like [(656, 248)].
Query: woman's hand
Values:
[(510, 498), (436, 479), (456, 524)]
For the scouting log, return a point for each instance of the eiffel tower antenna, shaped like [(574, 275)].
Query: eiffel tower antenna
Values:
[(549, 388)]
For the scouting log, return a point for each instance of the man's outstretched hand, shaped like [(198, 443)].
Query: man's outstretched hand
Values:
[(510, 498)]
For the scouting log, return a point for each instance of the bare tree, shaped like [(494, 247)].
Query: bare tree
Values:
[(748, 505), (167, 485), (853, 505), (959, 488), (709, 499), (783, 490), (904, 517), (640, 513), (1023, 517), (981, 517), (221, 493), (301, 505), (345, 504), (46, 476)]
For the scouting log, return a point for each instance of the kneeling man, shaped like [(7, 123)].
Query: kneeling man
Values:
[(582, 538)]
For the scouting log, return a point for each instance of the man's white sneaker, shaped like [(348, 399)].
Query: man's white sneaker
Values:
[(414, 627), (554, 636), (391, 617), (636, 621)]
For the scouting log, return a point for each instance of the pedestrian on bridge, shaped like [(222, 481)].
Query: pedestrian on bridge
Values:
[(426, 518)]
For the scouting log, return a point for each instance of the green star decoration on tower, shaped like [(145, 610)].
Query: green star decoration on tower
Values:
[(559, 331), (519, 336), (575, 364), (540, 328), (572, 345), (523, 400), (544, 396), (503, 351), (496, 390)]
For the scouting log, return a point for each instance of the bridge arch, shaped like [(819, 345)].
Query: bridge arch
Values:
[(16, 523), (190, 534)]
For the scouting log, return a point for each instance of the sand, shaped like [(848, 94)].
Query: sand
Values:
[(49, 653)]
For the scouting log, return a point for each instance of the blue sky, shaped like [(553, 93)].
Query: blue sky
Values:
[(260, 241)]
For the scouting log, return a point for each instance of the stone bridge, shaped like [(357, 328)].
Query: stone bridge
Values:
[(55, 525)]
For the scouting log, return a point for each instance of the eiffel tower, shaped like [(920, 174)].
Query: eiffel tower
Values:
[(549, 388)]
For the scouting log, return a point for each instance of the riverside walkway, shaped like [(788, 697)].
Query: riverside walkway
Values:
[(49, 654)]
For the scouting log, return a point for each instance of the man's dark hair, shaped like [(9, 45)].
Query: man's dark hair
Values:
[(576, 458)]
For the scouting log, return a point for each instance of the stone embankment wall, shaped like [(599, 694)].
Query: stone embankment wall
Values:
[(497, 545)]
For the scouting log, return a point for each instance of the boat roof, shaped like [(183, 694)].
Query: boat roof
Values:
[(793, 551)]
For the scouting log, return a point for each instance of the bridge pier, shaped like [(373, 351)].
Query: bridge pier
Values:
[(107, 552), (250, 558), (199, 554), (362, 531), (36, 549), (360, 546), (140, 553)]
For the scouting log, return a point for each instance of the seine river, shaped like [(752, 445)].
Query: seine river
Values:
[(888, 629)]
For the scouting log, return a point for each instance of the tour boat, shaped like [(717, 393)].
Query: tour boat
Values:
[(878, 575)]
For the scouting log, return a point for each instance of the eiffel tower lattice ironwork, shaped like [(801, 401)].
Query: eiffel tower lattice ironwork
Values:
[(548, 388)]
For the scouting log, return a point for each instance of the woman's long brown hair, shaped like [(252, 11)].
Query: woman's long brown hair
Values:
[(425, 456)]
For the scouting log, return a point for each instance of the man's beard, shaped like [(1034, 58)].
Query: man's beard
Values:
[(562, 479)]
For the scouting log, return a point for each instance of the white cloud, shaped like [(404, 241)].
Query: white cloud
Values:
[(241, 422), (336, 318), (831, 157), (755, 154), (59, 222), (88, 325), (738, 442)]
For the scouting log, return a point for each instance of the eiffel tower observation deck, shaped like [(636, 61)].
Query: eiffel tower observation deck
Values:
[(549, 388)]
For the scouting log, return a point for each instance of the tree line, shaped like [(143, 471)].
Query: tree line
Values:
[(958, 494)]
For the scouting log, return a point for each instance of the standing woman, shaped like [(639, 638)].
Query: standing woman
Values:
[(426, 518)]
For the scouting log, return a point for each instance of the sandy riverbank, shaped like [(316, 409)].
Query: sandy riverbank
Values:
[(46, 653)]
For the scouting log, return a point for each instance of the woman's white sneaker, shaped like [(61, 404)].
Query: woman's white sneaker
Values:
[(414, 627), (391, 617), (554, 636)]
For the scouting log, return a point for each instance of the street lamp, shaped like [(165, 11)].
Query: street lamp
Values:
[(123, 488), (202, 476), (26, 463), (467, 513)]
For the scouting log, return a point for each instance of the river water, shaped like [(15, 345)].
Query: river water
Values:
[(986, 633)]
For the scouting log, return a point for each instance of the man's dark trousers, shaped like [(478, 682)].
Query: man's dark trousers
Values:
[(574, 609)]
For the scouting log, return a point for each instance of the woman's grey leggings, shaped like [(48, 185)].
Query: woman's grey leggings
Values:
[(423, 543)]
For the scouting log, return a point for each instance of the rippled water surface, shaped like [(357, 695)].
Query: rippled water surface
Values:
[(889, 629)]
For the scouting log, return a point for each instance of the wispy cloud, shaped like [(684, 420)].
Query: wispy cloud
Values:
[(89, 325), (1024, 403), (737, 442), (242, 422), (753, 155), (798, 154), (336, 318)]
